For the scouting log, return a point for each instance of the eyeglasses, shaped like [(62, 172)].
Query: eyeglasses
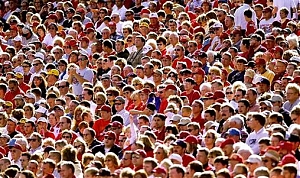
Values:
[(36, 64), (108, 94), (56, 52), (32, 139), (118, 104), (108, 160), (228, 93), (25, 66), (135, 156), (265, 160), (177, 49), (157, 153), (122, 140), (108, 138), (77, 146), (263, 108), (66, 136), (81, 59), (237, 95), (61, 87), (52, 28)]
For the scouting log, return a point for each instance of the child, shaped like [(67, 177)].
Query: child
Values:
[(250, 24), (186, 111)]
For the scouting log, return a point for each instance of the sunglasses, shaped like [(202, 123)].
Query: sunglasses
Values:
[(108, 138)]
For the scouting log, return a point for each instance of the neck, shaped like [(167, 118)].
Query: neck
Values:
[(293, 101), (257, 129)]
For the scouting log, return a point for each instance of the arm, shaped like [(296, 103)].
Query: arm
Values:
[(133, 130)]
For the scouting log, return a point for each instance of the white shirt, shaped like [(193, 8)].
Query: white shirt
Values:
[(87, 74), (19, 69), (125, 116), (93, 107), (266, 25), (284, 3), (120, 11), (239, 19), (119, 27), (48, 40), (254, 137)]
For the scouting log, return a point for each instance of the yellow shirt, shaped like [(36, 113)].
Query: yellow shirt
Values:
[(269, 75)]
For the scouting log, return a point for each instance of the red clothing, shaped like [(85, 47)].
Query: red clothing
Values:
[(160, 134), (9, 96), (187, 158), (129, 105), (186, 60), (163, 52), (194, 95), (99, 127), (163, 105), (250, 28), (284, 24), (24, 87), (199, 120)]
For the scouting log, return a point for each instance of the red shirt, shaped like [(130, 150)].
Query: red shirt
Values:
[(160, 134), (163, 106), (250, 28), (99, 127), (9, 96), (186, 60), (59, 136), (129, 105), (187, 158), (199, 120), (24, 87), (194, 95)]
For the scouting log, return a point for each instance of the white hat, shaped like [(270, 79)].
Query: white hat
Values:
[(217, 25), (254, 159), (176, 117), (39, 55), (18, 38), (41, 109), (295, 58), (42, 119), (33, 119), (30, 95), (153, 15), (176, 157), (146, 49), (185, 121)]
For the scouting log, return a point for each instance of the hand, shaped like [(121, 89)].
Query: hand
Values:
[(72, 71), (130, 118)]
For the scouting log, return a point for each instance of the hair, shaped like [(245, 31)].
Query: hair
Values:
[(114, 158), (260, 118), (69, 153)]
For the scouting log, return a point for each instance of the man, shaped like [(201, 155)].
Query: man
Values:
[(14, 90), (226, 112), (202, 156), (38, 66), (189, 92), (107, 47), (255, 43), (138, 157), (87, 95), (159, 125), (119, 8), (239, 20), (243, 106), (122, 52), (52, 77), (15, 151), (19, 102), (234, 134), (48, 167), (236, 37), (23, 86), (238, 74), (180, 148), (256, 123), (148, 165), (176, 171), (261, 68), (35, 143), (254, 162), (70, 12), (109, 144), (28, 36), (226, 61), (4, 162), (266, 22), (127, 160), (11, 126), (197, 108), (292, 96), (67, 169), (25, 157), (29, 128), (227, 147), (89, 136), (263, 85), (290, 170), (63, 88), (65, 124), (179, 53), (78, 76), (134, 58), (119, 103), (101, 123), (148, 71), (277, 102)]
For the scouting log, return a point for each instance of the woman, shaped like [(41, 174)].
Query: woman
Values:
[(173, 76), (51, 35), (149, 146), (26, 174), (210, 138), (77, 117), (137, 83), (41, 32), (39, 82), (100, 99), (161, 153), (81, 147), (69, 153), (137, 104), (229, 93), (54, 124), (87, 117), (213, 73), (171, 129), (28, 110), (111, 161)]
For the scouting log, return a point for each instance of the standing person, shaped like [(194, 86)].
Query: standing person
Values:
[(239, 20)]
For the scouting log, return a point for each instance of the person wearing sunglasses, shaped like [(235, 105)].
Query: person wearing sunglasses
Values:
[(109, 144)]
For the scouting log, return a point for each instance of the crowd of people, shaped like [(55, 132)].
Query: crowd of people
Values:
[(158, 89)]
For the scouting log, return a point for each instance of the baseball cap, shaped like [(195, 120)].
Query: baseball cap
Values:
[(176, 157), (18, 38), (234, 132), (236, 157), (289, 158), (228, 141), (176, 117), (159, 170), (191, 139), (53, 72), (185, 121), (254, 159), (105, 108), (179, 143), (42, 119), (250, 73), (110, 134), (263, 80), (217, 25), (140, 152), (120, 98), (276, 98)]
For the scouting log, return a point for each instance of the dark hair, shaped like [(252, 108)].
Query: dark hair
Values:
[(161, 116), (248, 13), (260, 118)]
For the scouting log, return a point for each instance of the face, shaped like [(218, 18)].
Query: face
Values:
[(178, 149), (11, 126), (158, 123), (137, 160), (65, 172), (34, 142), (174, 174)]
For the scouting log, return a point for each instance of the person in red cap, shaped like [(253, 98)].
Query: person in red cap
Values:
[(285, 147), (179, 52), (85, 44), (227, 147), (101, 123), (160, 171), (109, 144), (138, 157), (168, 90), (261, 68)]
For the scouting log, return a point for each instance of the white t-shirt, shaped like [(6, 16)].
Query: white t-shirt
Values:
[(284, 3), (266, 25), (87, 74), (48, 40)]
